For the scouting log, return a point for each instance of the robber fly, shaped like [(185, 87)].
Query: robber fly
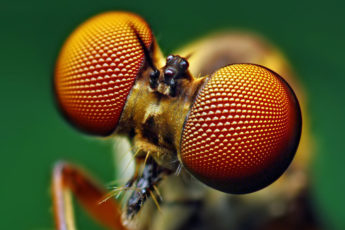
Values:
[(197, 124)]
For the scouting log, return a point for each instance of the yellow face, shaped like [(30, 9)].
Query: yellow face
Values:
[(236, 130)]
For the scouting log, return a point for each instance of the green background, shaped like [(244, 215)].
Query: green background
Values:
[(33, 135)]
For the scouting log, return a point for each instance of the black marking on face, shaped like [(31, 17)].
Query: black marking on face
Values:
[(149, 130), (168, 139), (131, 133), (154, 75)]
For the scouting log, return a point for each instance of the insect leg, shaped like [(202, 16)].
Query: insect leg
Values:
[(68, 179)]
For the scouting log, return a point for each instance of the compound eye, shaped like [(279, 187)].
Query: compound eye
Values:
[(243, 129), (97, 68)]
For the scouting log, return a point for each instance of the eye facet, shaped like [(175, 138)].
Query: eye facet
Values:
[(97, 68), (243, 129)]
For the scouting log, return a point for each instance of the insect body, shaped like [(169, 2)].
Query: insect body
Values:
[(236, 130)]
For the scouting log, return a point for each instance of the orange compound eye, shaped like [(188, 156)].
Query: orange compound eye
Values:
[(97, 68), (243, 129)]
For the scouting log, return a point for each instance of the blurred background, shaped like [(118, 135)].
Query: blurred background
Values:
[(34, 136)]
